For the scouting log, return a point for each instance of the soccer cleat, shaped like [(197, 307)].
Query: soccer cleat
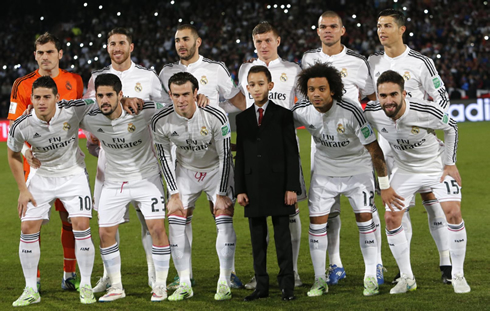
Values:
[(87, 295), (159, 293), (370, 286), (29, 296), (252, 284), (404, 285), (319, 288), (71, 283), (446, 274), (235, 282), (396, 279), (103, 284), (460, 285), (297, 280), (113, 293), (176, 282), (223, 291), (335, 274), (183, 291), (380, 274)]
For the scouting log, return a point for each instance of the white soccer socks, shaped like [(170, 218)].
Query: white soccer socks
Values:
[(147, 242), (377, 233), (161, 260), (112, 262), (225, 246), (400, 250), (85, 253), (188, 234), (180, 247), (369, 246), (295, 229), (29, 254), (457, 247), (438, 230), (333, 234), (318, 248)]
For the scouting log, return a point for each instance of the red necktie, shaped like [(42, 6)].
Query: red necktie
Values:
[(261, 115)]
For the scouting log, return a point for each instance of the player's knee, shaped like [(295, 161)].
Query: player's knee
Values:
[(453, 216), (428, 196), (393, 220), (80, 223), (363, 217), (29, 227)]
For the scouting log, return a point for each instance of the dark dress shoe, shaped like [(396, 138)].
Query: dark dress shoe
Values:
[(288, 295), (256, 295)]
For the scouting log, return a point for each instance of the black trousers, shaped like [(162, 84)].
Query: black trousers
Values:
[(284, 250)]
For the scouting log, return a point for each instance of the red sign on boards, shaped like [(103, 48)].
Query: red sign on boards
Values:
[(4, 131)]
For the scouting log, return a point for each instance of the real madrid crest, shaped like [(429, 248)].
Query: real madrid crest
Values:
[(204, 131), (66, 126), (138, 87), (343, 73), (406, 75), (415, 130), (340, 129), (204, 80), (131, 127), (283, 77)]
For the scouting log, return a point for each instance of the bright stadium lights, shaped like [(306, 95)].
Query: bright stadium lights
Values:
[(269, 7), (118, 13), (4, 67), (17, 66), (96, 59), (156, 14), (426, 11), (99, 35), (85, 4), (72, 66), (288, 6), (81, 45), (75, 57), (42, 18), (354, 16), (255, 51), (431, 16), (180, 20), (411, 34), (237, 41), (404, 8), (91, 43), (485, 2), (282, 6), (89, 61), (358, 25), (395, 1), (286, 11), (172, 2), (104, 46), (152, 67), (275, 6), (486, 38), (100, 7), (68, 43), (192, 22), (313, 27), (409, 19), (438, 56)]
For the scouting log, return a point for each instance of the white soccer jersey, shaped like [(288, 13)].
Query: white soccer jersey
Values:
[(55, 144), (420, 74), (137, 81), (353, 68), (127, 143), (284, 75), (214, 78), (340, 135), (414, 146), (203, 143)]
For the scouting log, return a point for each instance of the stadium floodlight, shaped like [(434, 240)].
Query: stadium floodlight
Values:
[(358, 24), (99, 35), (81, 45), (288, 6), (354, 16), (282, 6), (313, 27), (72, 66), (486, 38), (68, 43), (85, 4), (192, 22), (42, 18), (286, 11), (172, 2), (426, 11), (404, 8), (118, 13), (237, 41), (275, 6), (156, 14), (104, 46), (180, 20), (4, 67), (438, 55), (96, 59), (75, 57), (100, 7), (89, 62), (269, 7), (411, 34), (91, 43), (395, 1)]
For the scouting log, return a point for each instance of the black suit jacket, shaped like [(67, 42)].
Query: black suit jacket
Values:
[(266, 160)]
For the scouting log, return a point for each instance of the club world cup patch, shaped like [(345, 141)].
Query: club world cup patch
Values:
[(225, 130), (283, 77), (204, 80), (66, 126), (89, 101), (437, 82), (138, 87), (340, 128), (406, 75), (415, 130), (204, 131), (367, 131), (343, 72), (445, 118), (131, 127)]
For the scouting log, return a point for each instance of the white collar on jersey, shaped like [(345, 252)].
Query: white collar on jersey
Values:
[(196, 63), (117, 72), (339, 55), (271, 63), (402, 55), (184, 118)]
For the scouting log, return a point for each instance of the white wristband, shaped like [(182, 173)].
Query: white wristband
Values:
[(384, 182), (24, 149)]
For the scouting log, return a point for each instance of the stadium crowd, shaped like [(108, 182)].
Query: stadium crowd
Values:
[(455, 36)]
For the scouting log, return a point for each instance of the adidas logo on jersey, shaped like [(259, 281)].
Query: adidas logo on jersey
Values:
[(174, 134), (384, 130), (100, 130), (311, 126), (37, 135)]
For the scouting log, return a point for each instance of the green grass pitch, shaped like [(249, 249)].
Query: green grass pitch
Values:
[(431, 294)]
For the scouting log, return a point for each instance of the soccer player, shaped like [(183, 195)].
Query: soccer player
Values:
[(203, 163), (344, 140), (284, 75), (137, 81), (422, 161), (48, 52), (52, 132), (132, 175), (358, 83), (215, 82), (421, 81)]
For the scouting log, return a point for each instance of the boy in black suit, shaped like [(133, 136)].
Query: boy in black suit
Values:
[(266, 179)]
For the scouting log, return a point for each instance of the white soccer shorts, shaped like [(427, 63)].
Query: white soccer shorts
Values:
[(192, 183), (359, 189), (406, 185), (73, 191), (116, 196)]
